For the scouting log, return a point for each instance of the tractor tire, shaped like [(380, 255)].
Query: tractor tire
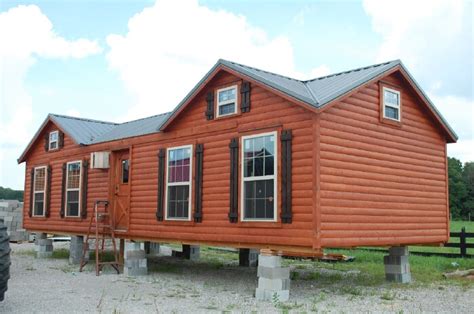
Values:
[(4, 260)]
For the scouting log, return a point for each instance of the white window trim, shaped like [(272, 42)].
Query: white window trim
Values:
[(190, 183), (56, 141), (227, 101), (44, 191), (77, 189), (399, 107), (274, 177)]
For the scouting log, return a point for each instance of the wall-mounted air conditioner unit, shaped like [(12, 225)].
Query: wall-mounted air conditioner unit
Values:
[(100, 160)]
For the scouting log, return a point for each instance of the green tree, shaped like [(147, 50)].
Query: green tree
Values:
[(9, 194), (468, 178), (457, 187)]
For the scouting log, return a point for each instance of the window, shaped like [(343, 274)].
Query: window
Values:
[(53, 140), (73, 188), (39, 191), (258, 177), (227, 101), (125, 171), (178, 205), (391, 104)]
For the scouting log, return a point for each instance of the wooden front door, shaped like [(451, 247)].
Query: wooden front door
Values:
[(121, 189)]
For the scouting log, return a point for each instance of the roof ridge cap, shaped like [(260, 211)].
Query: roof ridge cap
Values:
[(223, 61), (82, 119), (352, 70), (153, 116)]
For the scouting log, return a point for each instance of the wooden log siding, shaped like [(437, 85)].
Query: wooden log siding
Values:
[(49, 177), (161, 184), (198, 184), (347, 209), (234, 180), (380, 183), (286, 214), (245, 97)]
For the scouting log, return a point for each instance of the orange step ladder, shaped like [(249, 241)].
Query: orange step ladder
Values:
[(101, 228)]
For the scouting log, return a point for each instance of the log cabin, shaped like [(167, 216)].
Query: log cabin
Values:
[(253, 159)]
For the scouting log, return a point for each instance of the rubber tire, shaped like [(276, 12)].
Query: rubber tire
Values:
[(4, 260)]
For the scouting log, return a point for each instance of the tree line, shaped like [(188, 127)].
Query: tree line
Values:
[(9, 194), (461, 189)]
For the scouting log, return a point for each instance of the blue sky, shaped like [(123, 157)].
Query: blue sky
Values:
[(121, 60)]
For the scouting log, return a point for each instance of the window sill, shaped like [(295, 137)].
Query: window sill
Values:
[(227, 116), (260, 224), (177, 222), (391, 122)]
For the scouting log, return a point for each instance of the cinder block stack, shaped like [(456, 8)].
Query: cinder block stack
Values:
[(75, 250), (43, 246), (273, 279), (397, 267), (11, 211), (135, 263)]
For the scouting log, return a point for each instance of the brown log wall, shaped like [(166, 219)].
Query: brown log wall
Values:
[(381, 184)]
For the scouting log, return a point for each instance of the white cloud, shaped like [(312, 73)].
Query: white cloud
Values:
[(171, 45), (434, 40), (26, 34), (320, 71)]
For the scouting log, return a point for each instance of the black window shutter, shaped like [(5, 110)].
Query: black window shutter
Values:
[(30, 211), (48, 191), (286, 213), (161, 184), (46, 142), (198, 184), (210, 105), (234, 179), (245, 97), (63, 192), (85, 170), (60, 139)]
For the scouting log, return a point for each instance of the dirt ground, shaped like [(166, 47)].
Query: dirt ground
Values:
[(179, 286)]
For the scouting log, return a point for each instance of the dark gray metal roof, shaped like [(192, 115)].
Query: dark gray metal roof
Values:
[(133, 128), (82, 131)]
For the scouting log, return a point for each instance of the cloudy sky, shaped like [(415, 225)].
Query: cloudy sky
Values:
[(123, 59)]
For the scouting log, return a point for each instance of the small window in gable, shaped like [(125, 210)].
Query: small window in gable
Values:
[(391, 104), (227, 101), (53, 140)]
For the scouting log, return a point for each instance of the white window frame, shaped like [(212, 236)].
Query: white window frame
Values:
[(219, 104), (190, 183), (56, 141), (44, 191), (274, 177), (76, 189), (399, 108)]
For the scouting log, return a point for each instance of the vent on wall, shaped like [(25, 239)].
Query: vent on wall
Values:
[(100, 160)]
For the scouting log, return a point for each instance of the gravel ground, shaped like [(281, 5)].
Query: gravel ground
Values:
[(174, 285)]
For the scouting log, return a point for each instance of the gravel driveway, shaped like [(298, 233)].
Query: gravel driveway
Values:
[(174, 285)]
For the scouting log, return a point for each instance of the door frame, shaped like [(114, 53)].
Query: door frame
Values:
[(112, 178)]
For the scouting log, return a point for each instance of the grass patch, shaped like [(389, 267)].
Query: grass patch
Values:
[(60, 254)]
